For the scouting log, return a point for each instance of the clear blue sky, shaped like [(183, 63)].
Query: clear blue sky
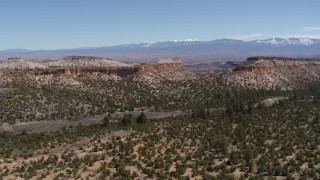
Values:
[(59, 24)]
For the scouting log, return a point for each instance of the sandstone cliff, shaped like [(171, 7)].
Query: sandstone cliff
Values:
[(274, 73), (88, 67)]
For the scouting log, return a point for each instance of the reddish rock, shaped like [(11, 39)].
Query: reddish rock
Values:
[(139, 70), (274, 73)]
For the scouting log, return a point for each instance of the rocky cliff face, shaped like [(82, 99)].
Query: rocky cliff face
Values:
[(161, 65), (274, 73), (87, 66), (255, 64)]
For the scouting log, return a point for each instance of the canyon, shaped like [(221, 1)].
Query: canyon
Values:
[(260, 72), (78, 118)]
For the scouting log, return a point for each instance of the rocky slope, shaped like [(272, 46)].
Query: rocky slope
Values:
[(72, 68), (274, 73)]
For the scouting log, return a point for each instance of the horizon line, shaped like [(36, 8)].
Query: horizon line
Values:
[(175, 41)]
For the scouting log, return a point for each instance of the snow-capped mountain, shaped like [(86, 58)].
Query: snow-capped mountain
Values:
[(191, 51), (288, 41)]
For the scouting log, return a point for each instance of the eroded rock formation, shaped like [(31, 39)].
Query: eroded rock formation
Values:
[(80, 66), (274, 73)]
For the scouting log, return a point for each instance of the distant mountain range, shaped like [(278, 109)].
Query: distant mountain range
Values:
[(192, 52)]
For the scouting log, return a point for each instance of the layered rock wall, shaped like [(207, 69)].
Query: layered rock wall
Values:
[(79, 66), (161, 65), (274, 73), (268, 63)]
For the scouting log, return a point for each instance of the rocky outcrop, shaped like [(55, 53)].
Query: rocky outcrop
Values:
[(268, 63), (274, 73), (161, 65), (80, 66)]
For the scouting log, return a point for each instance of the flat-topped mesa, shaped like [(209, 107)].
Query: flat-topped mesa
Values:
[(274, 73), (269, 58), (85, 62), (161, 65), (77, 58), (90, 66), (262, 63)]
